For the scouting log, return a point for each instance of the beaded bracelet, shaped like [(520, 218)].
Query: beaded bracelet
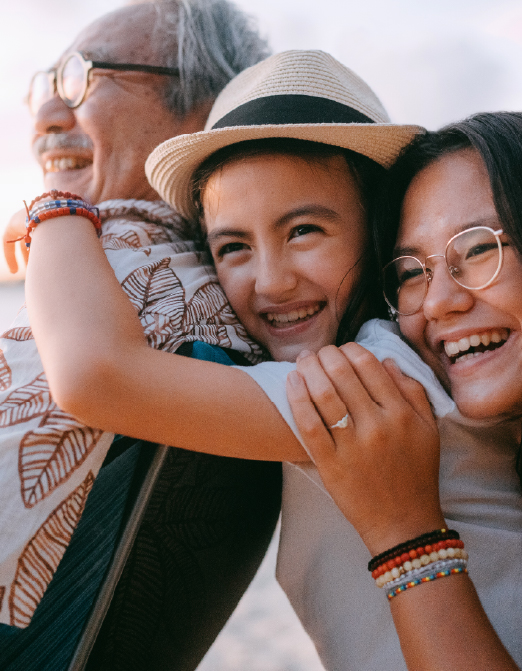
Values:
[(420, 557), (72, 205), (412, 546), (55, 194), (423, 571), (427, 562), (427, 578)]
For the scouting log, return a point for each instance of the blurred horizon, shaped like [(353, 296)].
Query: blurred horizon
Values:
[(430, 63)]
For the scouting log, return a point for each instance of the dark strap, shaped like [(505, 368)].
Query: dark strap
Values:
[(291, 109)]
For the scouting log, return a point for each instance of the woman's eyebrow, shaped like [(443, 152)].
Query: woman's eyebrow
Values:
[(491, 222)]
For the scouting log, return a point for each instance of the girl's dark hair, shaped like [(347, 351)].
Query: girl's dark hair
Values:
[(497, 137), (366, 298)]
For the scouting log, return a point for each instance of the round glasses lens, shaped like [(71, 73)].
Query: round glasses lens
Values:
[(72, 81), (405, 284), (41, 90), (473, 257)]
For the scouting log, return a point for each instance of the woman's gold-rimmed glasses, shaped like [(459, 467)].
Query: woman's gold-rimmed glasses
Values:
[(473, 259)]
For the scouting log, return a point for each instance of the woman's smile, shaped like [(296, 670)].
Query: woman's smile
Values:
[(471, 338)]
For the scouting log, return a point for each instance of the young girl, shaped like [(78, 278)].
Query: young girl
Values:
[(455, 281), (287, 225)]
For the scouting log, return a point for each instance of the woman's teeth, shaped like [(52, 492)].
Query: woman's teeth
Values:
[(293, 316), (460, 349), (66, 163)]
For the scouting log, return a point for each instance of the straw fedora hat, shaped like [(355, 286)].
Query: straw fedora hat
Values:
[(306, 95)]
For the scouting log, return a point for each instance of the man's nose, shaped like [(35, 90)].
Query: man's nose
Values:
[(444, 294), (54, 117), (275, 276)]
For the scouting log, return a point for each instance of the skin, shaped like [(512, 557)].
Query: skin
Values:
[(448, 195), (99, 366), (442, 624), (120, 121), (295, 252)]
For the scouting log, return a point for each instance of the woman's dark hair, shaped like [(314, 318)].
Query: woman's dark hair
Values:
[(366, 298), (497, 137)]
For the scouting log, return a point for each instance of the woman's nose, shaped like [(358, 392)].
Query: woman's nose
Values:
[(444, 295), (54, 117)]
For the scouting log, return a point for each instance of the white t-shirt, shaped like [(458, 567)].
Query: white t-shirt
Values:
[(322, 562)]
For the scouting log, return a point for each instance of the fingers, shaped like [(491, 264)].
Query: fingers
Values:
[(412, 391), (10, 256), (321, 388), (15, 229), (316, 436)]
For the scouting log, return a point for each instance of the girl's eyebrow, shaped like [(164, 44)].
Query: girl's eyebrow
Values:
[(306, 210), (226, 233), (492, 222)]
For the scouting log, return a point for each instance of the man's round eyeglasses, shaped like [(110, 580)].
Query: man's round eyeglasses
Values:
[(71, 80), (473, 259)]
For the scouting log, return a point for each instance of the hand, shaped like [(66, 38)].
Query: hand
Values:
[(15, 229), (382, 469)]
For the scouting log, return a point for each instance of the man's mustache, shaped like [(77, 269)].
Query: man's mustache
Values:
[(53, 141)]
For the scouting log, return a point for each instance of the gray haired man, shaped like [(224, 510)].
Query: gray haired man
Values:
[(188, 530)]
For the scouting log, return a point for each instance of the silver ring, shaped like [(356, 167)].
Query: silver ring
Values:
[(341, 424)]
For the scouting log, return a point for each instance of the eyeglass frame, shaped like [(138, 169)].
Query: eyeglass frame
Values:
[(428, 272), (55, 75)]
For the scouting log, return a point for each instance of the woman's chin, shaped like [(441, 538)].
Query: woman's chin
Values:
[(490, 406)]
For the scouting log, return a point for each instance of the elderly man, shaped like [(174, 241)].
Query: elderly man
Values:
[(190, 529)]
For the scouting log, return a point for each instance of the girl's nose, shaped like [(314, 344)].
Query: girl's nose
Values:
[(275, 277)]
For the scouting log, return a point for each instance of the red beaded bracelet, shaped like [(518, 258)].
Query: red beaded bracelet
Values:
[(399, 560), (52, 209), (432, 537), (55, 194)]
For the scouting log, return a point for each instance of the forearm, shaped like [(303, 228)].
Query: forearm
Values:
[(443, 627), (101, 370)]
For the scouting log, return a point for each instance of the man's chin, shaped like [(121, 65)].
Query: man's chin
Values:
[(77, 181)]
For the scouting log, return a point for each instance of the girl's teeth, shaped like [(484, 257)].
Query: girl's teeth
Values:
[(293, 316), (474, 340), (485, 339)]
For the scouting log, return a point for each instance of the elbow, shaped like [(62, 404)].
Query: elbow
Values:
[(82, 387)]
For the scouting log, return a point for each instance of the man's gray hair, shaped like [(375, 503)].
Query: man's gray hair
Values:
[(210, 41)]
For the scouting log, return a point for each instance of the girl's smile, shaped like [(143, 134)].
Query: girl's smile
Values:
[(286, 234)]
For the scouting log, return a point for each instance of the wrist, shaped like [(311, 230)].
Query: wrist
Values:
[(380, 539)]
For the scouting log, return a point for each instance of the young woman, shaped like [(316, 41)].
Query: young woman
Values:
[(455, 282)]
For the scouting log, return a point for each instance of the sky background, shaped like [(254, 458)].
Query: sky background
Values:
[(429, 62)]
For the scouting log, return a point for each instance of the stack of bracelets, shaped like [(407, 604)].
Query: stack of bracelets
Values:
[(63, 204), (433, 555)]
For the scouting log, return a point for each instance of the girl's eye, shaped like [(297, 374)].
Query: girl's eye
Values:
[(229, 248), (304, 229)]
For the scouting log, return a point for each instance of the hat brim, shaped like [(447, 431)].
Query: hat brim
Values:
[(171, 166)]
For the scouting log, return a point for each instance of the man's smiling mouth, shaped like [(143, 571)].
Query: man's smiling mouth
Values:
[(475, 345), (66, 163), (280, 320)]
